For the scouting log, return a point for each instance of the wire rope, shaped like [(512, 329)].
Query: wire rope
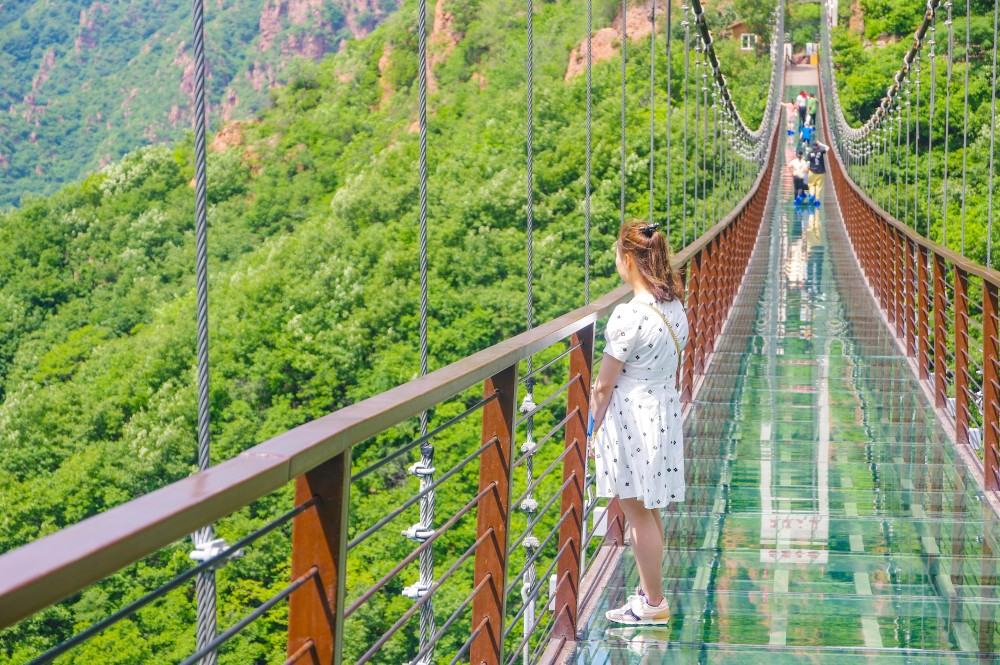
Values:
[(916, 147), (425, 469), (205, 583), (965, 120), (993, 134), (947, 123), (670, 75), (624, 41), (652, 108), (932, 55), (687, 90), (589, 150)]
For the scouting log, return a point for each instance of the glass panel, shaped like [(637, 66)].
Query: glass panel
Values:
[(829, 518)]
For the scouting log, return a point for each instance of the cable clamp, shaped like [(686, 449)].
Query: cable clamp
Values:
[(421, 470), (416, 591), (528, 404), (529, 447), (210, 549), (529, 505), (418, 533), (531, 543)]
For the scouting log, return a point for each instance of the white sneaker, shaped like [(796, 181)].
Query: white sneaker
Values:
[(638, 612)]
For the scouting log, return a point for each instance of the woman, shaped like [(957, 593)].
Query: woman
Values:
[(637, 443)]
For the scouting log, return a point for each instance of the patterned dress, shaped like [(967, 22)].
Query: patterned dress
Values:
[(638, 449)]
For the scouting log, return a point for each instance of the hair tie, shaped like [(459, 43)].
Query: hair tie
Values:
[(649, 230)]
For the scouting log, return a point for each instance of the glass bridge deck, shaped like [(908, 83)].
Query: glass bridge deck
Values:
[(830, 518)]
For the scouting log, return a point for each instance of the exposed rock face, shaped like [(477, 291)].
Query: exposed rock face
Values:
[(137, 58), (604, 43), (87, 35)]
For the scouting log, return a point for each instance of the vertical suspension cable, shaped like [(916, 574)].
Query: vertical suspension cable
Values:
[(652, 105), (687, 67), (906, 161), (670, 74), (704, 140), (715, 154), (965, 120), (697, 144), (916, 148), (424, 470), (931, 43), (528, 405), (993, 136), (947, 125), (899, 148), (624, 40), (586, 196), (205, 582)]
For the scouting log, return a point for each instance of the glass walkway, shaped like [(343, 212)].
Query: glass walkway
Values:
[(830, 518)]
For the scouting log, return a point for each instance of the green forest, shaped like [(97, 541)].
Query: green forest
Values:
[(864, 71), (314, 296), (83, 82)]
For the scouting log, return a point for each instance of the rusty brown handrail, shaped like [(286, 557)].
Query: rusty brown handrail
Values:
[(908, 275)]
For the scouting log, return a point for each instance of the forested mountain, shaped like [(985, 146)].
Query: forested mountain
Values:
[(84, 81), (313, 291), (868, 49)]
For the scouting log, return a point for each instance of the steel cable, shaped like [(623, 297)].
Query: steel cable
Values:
[(670, 73), (931, 53), (425, 469), (586, 195), (993, 133), (205, 583), (916, 147), (652, 106), (965, 120), (947, 124), (687, 89), (624, 41)]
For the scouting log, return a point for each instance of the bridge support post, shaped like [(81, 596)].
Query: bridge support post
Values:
[(911, 340), (940, 333), (692, 282), (319, 538), (573, 503), (961, 356), (991, 391), (923, 307), (489, 605), (895, 299)]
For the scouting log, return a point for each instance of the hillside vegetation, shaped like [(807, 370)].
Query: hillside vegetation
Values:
[(864, 69), (84, 81), (313, 296)]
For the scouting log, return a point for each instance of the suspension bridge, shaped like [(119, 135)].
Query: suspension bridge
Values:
[(842, 422)]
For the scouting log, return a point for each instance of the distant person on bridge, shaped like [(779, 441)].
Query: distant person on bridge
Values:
[(807, 132), (636, 408), (800, 171), (812, 107), (790, 121), (802, 102), (817, 169)]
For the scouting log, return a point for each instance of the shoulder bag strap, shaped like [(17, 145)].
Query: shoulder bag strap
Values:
[(677, 343)]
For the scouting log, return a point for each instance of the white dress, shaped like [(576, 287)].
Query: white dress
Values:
[(638, 449)]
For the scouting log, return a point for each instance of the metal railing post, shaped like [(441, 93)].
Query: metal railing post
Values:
[(494, 517), (940, 332), (911, 338), (571, 531), (923, 307), (961, 356), (991, 391), (319, 539)]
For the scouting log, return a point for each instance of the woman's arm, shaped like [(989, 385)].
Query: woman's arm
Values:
[(611, 367)]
